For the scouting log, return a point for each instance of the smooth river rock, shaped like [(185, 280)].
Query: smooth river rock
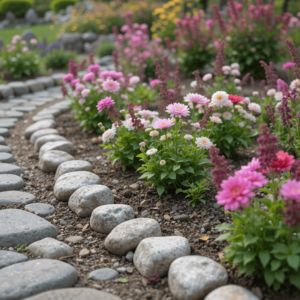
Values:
[(38, 126), (129, 234), (103, 274), (5, 149), (47, 138), (43, 117), (68, 183), (6, 157), (4, 132), (30, 278), (193, 277), (51, 160), (10, 169), (50, 248), (42, 208), (154, 255), (64, 146), (73, 166), (18, 227), (2, 141), (8, 258), (16, 197), (10, 182), (88, 197), (42, 132), (106, 217)]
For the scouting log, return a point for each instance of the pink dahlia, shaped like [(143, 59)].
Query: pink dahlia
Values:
[(256, 178), (284, 161), (235, 193), (94, 69), (79, 87), (74, 82), (291, 190), (105, 103), (196, 98), (67, 78), (288, 66), (253, 165), (88, 77), (155, 82), (178, 110), (146, 113), (111, 85), (163, 124)]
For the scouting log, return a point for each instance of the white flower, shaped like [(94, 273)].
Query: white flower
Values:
[(254, 107), (229, 104), (238, 107), (188, 137), (245, 101), (145, 122), (134, 80), (217, 115), (151, 151), (169, 135), (162, 162), (128, 124), (148, 129), (249, 117), (255, 93), (163, 138), (237, 81), (203, 142), (219, 99), (235, 66), (193, 84), (142, 144), (154, 133), (235, 72), (271, 92), (278, 104), (108, 134), (278, 96), (227, 115), (295, 84), (242, 124), (238, 88), (226, 69), (201, 110), (216, 120), (195, 125)]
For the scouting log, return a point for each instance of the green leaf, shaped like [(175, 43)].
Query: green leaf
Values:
[(147, 175), (176, 167), (130, 156), (189, 170), (264, 257), (266, 190), (295, 279), (269, 277), (225, 226), (294, 247), (224, 237), (172, 175), (280, 256), (243, 142), (279, 276), (160, 190), (293, 261), (237, 259), (163, 175), (229, 139), (249, 239), (248, 257), (123, 280), (180, 172), (280, 248), (275, 264), (178, 191)]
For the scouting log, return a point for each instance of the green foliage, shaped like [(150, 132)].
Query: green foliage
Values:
[(58, 58), (58, 5), (41, 6), (150, 68), (18, 7), (140, 93), (105, 48), (195, 191), (21, 248)]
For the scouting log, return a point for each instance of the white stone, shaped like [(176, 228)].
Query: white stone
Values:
[(193, 277), (42, 132), (47, 138), (64, 146), (154, 255), (231, 292), (73, 166), (129, 234), (105, 218), (38, 126), (42, 117), (89, 197), (53, 111), (52, 159), (68, 183), (50, 248)]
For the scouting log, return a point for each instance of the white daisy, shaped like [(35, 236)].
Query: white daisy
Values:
[(154, 133), (271, 92), (163, 138), (227, 115), (254, 107), (188, 137), (193, 84), (235, 66), (242, 124), (151, 151), (295, 84), (278, 96), (108, 135), (162, 162), (219, 99), (203, 143), (128, 124), (216, 120)]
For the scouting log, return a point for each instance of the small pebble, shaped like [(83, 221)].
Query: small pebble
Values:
[(115, 181), (60, 237), (63, 222), (54, 202), (116, 264), (121, 270), (84, 253)]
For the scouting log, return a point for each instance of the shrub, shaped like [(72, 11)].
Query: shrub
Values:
[(105, 48), (18, 7), (58, 5), (18, 59), (58, 58)]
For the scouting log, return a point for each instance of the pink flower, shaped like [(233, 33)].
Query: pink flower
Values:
[(111, 85), (124, 97), (284, 161), (74, 82), (142, 144), (291, 190), (25, 49), (79, 87), (85, 92), (196, 98), (235, 193), (155, 82), (163, 124), (24, 43), (33, 41), (16, 37), (207, 77), (130, 89), (146, 113), (134, 80), (256, 178), (67, 78), (88, 77), (178, 110), (87, 108), (180, 207), (12, 48), (105, 103), (81, 101), (253, 165), (288, 66), (196, 125), (94, 69)]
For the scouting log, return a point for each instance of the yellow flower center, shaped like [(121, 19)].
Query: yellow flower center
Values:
[(178, 108), (219, 97), (236, 191)]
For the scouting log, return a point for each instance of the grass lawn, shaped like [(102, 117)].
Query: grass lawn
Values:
[(49, 31)]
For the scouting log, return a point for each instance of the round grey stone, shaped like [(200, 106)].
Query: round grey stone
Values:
[(54, 202), (74, 294), (47, 138), (106, 217), (25, 109), (52, 159), (193, 277), (229, 292), (7, 124), (12, 120), (88, 197), (5, 149), (68, 183), (14, 114), (16, 197), (103, 274), (41, 208), (39, 126), (6, 158), (29, 278), (2, 140), (8, 258), (42, 132), (73, 166), (64, 146), (18, 101), (10, 169), (19, 227), (4, 132), (53, 111), (10, 182), (42, 117)]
